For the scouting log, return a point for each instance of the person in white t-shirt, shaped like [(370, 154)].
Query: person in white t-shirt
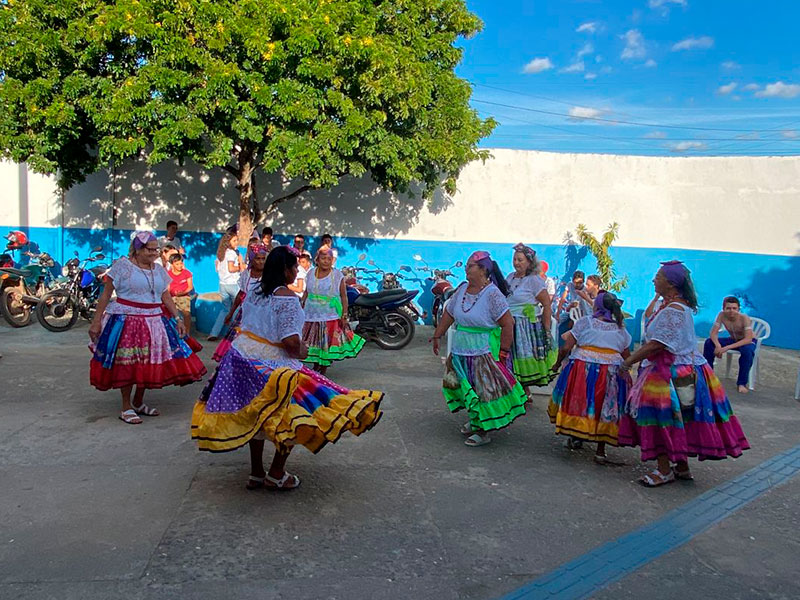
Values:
[(303, 267), (171, 238), (327, 240), (229, 264)]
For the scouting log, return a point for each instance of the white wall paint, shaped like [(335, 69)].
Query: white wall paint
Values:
[(739, 204)]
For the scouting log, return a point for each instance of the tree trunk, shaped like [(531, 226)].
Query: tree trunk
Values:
[(245, 185)]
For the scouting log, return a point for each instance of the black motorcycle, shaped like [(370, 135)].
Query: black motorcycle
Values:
[(77, 295)]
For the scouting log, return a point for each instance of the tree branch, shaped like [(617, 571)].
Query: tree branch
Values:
[(273, 205), (232, 170)]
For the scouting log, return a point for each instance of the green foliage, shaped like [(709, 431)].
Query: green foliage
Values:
[(314, 89), (600, 249)]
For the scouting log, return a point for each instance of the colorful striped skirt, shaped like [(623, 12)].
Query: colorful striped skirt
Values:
[(485, 388), (657, 422), (225, 343), (588, 400), (247, 398), (142, 350), (533, 352), (328, 341)]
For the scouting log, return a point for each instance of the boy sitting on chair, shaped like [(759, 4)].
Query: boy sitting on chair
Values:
[(738, 325)]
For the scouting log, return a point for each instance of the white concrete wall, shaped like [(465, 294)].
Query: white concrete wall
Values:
[(739, 204)]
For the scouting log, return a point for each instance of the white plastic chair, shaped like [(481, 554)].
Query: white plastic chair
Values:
[(761, 331), (574, 314), (642, 324)]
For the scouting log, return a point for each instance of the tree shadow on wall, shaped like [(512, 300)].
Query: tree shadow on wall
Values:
[(574, 254), (137, 195)]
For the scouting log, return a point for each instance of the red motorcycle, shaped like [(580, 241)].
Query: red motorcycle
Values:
[(442, 287)]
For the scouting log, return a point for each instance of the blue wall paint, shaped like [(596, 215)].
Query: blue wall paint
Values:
[(767, 284)]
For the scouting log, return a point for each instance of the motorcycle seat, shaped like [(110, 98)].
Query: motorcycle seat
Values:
[(378, 298), (16, 272), (99, 270)]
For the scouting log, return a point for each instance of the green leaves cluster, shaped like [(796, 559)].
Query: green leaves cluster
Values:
[(316, 89), (601, 250)]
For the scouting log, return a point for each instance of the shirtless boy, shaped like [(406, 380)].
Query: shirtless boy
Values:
[(740, 328)]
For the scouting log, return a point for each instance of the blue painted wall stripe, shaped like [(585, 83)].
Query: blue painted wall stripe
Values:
[(585, 575), (767, 284)]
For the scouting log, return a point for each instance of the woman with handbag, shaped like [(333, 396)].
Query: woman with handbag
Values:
[(677, 408)]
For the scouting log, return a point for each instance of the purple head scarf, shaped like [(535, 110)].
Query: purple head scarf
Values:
[(140, 239), (674, 271), (256, 250), (600, 310), (485, 261)]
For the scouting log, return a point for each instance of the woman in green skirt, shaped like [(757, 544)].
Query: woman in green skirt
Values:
[(478, 375)]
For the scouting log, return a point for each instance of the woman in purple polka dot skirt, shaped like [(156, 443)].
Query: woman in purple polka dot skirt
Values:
[(262, 391)]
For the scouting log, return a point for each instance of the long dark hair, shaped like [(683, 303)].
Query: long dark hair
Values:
[(274, 275), (496, 276), (688, 292), (611, 303)]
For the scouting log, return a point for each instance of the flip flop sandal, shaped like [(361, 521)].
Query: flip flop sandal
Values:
[(466, 428), (285, 483), (477, 439), (601, 459), (683, 475), (130, 417), (145, 410), (656, 478)]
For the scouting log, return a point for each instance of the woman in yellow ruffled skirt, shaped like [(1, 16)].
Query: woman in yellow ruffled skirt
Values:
[(261, 390)]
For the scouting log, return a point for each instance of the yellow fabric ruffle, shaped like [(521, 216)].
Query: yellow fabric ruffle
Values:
[(585, 428), (283, 422)]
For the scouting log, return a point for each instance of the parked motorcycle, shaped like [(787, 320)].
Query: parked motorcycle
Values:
[(23, 288), (379, 317), (391, 281), (82, 285), (442, 287)]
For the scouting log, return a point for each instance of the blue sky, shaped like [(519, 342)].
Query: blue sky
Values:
[(655, 77)]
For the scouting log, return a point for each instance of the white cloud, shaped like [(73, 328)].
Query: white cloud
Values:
[(634, 45), (692, 43), (789, 133), (650, 63), (590, 76), (537, 65), (686, 146), (587, 49), (724, 90), (576, 67), (730, 65), (589, 27), (598, 58), (665, 3), (748, 136), (751, 87), (779, 90), (655, 135), (579, 113)]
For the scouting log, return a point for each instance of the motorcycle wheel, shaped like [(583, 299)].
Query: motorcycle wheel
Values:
[(399, 333), (58, 311), (18, 314), (436, 312)]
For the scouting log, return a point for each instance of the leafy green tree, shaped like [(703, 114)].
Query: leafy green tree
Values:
[(311, 89), (601, 250)]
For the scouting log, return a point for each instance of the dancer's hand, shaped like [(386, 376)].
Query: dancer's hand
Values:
[(303, 352), (181, 327), (435, 341), (94, 331)]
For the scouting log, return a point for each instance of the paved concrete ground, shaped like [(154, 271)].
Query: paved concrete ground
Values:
[(91, 508)]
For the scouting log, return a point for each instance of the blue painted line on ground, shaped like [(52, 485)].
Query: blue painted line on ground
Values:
[(585, 575)]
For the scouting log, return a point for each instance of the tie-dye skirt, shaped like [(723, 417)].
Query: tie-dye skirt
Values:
[(657, 422), (533, 353), (328, 341)]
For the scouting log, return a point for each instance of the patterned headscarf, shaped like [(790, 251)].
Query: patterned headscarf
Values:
[(326, 249), (293, 250), (675, 272), (600, 310), (140, 239), (529, 252), (256, 250), (484, 259)]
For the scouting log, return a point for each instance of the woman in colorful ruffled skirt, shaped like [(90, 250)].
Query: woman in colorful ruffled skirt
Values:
[(249, 281), (677, 408), (590, 393), (327, 330), (261, 390), (478, 376), (533, 352), (139, 339)]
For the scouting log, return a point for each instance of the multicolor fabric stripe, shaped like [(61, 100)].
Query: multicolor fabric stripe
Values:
[(329, 341)]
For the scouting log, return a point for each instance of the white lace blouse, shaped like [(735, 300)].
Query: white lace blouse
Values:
[(673, 326), (273, 318), (481, 310), (523, 292), (137, 285), (318, 309), (248, 283), (592, 333)]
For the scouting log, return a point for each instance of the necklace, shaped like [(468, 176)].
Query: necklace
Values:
[(151, 279), (477, 297)]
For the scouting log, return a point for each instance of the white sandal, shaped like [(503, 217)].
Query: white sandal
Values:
[(656, 478), (285, 483), (130, 417)]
